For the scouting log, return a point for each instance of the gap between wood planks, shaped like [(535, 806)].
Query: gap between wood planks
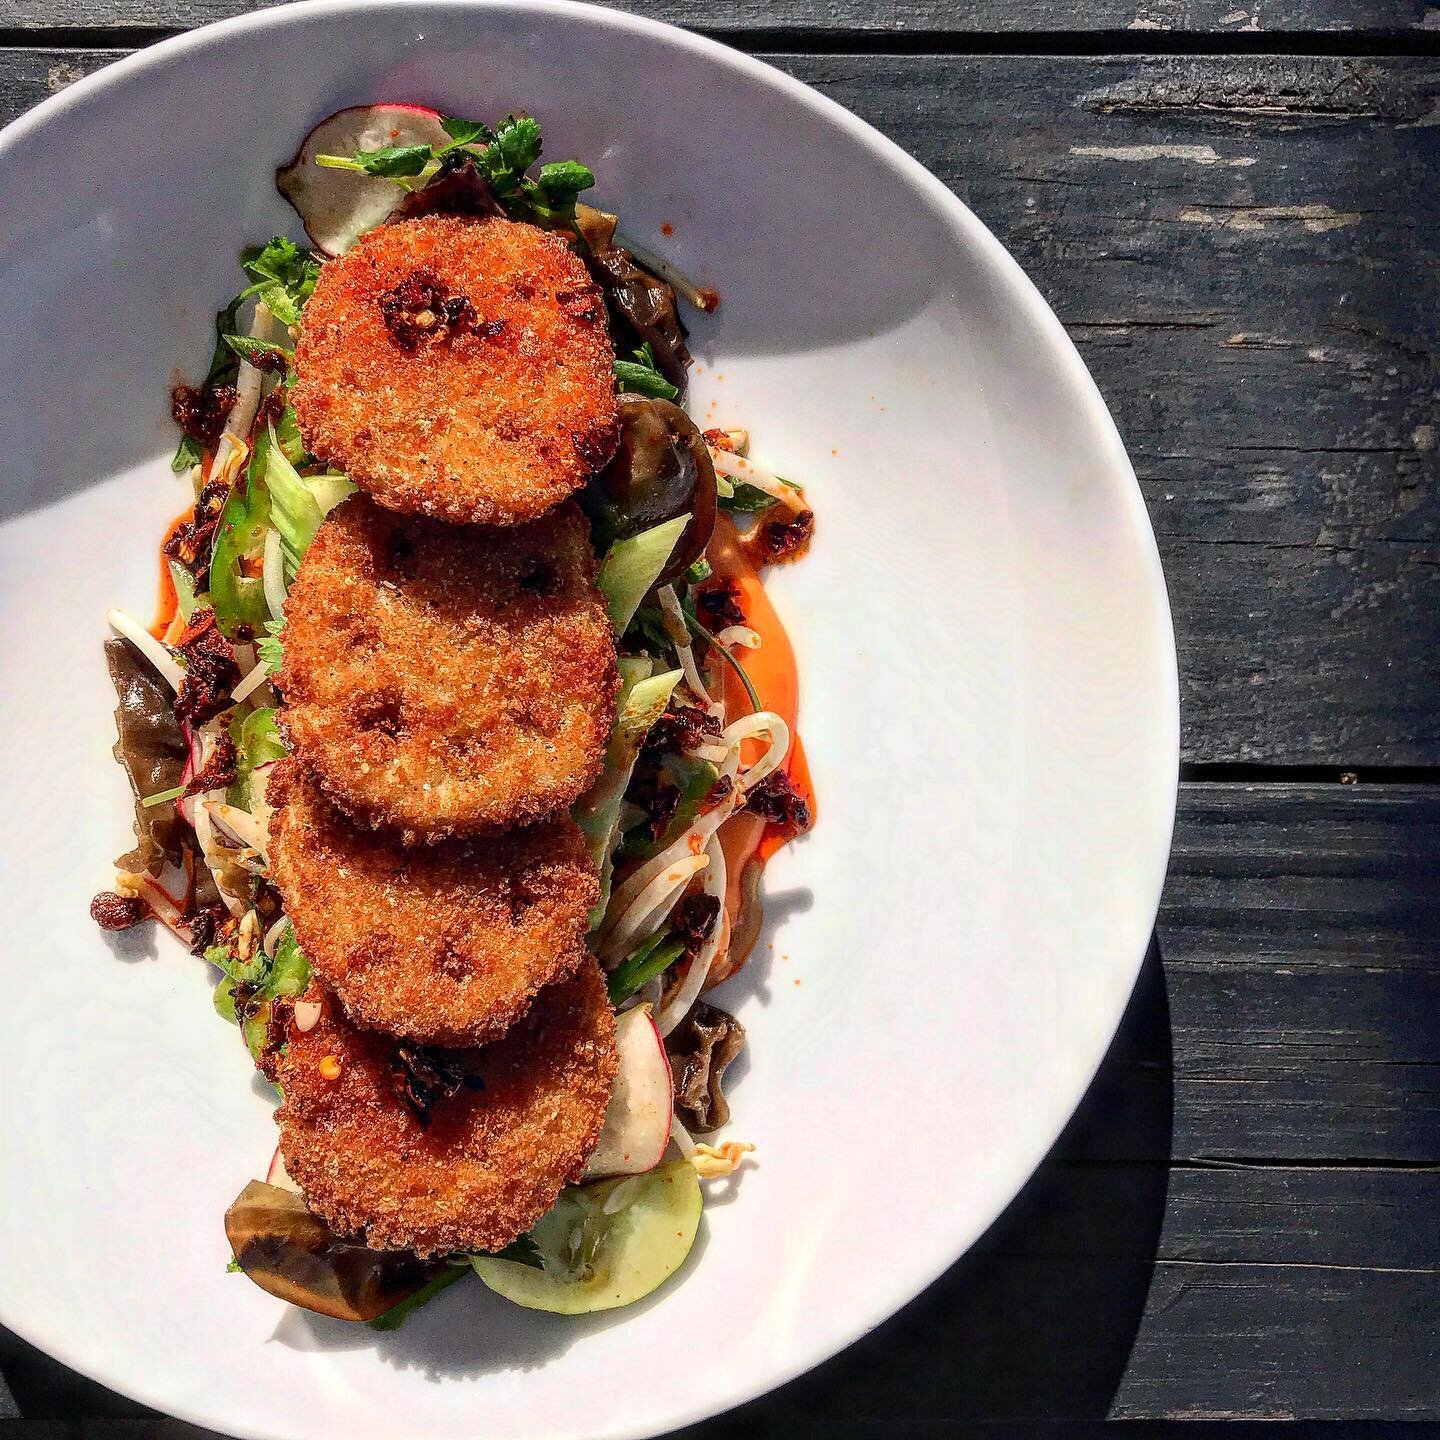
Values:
[(773, 40), (1258, 773)]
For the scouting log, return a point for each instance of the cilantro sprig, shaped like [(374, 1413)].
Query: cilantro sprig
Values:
[(503, 155)]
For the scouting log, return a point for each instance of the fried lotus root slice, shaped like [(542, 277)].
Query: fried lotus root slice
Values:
[(443, 679), (458, 367), (443, 944), (438, 1151)]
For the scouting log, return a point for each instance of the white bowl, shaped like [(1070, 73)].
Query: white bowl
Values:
[(989, 704)]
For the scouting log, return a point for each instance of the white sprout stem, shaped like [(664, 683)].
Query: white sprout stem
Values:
[(650, 908), (741, 635), (273, 934), (679, 632), (679, 282), (128, 882), (690, 843), (273, 574), (685, 996), (216, 860), (681, 1136), (170, 670), (762, 722), (250, 382), (736, 467), (240, 824), (250, 684)]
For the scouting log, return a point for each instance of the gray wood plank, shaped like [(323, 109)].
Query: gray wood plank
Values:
[(860, 17), (1248, 254), (1299, 1014)]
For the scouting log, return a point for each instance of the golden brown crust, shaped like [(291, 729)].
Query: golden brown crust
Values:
[(443, 944), (493, 422), (491, 1160), (444, 679)]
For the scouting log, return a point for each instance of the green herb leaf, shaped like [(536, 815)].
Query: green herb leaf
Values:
[(259, 353), (560, 182), (637, 380), (465, 132), (284, 277), (641, 376), (397, 1315), (270, 647), (390, 162), (747, 498), (699, 572), (514, 149), (233, 1266)]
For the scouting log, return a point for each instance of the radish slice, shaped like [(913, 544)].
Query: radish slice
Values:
[(337, 206), (642, 1104), (278, 1175)]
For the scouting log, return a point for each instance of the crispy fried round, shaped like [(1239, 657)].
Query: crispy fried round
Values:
[(444, 944), (444, 679), (458, 368), (507, 1125)]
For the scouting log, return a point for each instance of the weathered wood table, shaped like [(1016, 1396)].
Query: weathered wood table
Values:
[(1234, 205)]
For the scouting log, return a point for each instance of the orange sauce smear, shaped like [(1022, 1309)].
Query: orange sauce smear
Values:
[(167, 602), (748, 842)]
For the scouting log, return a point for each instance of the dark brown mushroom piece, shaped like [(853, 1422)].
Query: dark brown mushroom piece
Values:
[(661, 469), (295, 1256), (642, 306), (152, 751), (701, 1049), (457, 188)]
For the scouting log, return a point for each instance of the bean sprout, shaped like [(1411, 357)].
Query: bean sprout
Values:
[(685, 996), (650, 908), (679, 632), (164, 662), (736, 467)]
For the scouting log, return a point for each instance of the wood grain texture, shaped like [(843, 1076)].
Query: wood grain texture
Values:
[(1223, 240), (860, 17)]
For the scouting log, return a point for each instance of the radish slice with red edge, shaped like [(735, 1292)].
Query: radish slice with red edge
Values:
[(642, 1103), (338, 206)]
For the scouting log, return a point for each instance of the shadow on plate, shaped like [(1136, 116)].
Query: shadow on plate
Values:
[(1037, 1322)]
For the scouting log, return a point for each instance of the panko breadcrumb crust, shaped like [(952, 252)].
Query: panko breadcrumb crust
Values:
[(444, 680), (444, 944), (494, 420), (490, 1161)]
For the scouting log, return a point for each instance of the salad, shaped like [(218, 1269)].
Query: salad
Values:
[(464, 729)]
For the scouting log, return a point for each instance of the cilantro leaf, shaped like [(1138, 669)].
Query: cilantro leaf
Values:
[(262, 354), (397, 1315), (270, 647), (465, 132), (641, 376), (747, 498), (515, 148), (390, 162), (561, 181), (283, 276)]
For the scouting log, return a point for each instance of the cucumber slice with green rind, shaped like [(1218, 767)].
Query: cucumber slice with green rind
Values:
[(605, 1245)]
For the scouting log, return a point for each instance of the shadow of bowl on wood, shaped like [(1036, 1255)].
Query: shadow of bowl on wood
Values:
[(1039, 1319)]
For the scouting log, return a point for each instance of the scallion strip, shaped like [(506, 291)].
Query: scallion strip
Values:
[(642, 965)]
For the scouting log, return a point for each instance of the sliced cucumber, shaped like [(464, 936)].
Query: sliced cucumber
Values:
[(594, 1260)]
